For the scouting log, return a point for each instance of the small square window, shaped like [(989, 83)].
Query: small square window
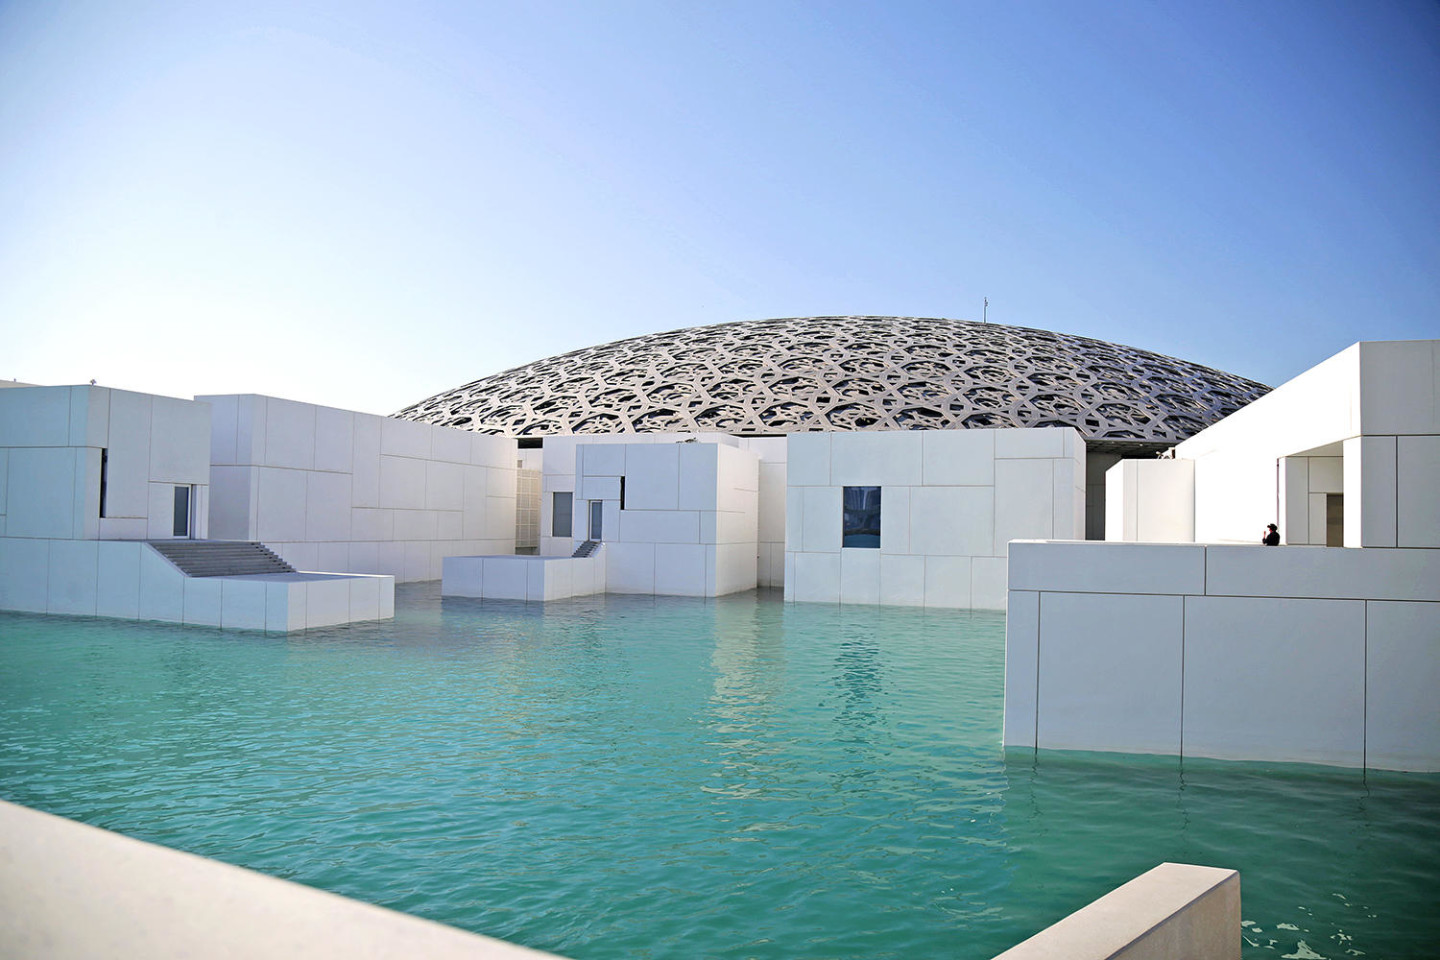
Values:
[(862, 518)]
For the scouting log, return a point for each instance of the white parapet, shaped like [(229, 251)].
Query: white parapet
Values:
[(1172, 910), (73, 891), (1312, 654), (523, 578)]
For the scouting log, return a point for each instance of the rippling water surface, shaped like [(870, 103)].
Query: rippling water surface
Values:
[(632, 777)]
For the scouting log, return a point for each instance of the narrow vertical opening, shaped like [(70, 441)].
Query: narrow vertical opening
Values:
[(104, 477), (181, 526), (560, 507)]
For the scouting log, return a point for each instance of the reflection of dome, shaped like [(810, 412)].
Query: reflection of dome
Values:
[(847, 373)]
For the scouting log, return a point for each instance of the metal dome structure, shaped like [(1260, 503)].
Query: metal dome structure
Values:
[(766, 377)]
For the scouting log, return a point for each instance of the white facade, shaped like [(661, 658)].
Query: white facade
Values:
[(59, 445), (678, 519), (950, 502), (558, 465), (340, 491), (1302, 652)]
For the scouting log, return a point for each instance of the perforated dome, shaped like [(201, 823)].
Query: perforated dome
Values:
[(847, 373)]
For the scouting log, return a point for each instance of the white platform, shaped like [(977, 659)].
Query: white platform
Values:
[(523, 578)]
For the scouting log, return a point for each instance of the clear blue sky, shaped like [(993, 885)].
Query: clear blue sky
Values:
[(363, 204)]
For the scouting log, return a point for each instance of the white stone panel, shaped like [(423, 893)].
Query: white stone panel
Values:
[(894, 519), (1370, 484), (807, 457), (35, 417), (249, 428), (224, 415), (365, 466), (285, 606), (365, 597), (501, 481), (450, 445), (1110, 672), (1274, 679), (652, 476), (951, 521), (418, 561), (959, 457), (600, 459), (1096, 567), (659, 526), (880, 458), (730, 567), (1402, 675), (334, 440), (700, 468), (987, 583), (41, 492), (795, 517), (680, 570), (444, 486), (902, 580), (127, 487), (1401, 387), (289, 434), (599, 488), (449, 525), (859, 576), (1024, 505), (505, 579), (947, 582), (372, 524), (1022, 666), (629, 567), (202, 601), (327, 602), (1417, 491), (327, 510), (402, 483), (405, 438), (488, 451), (162, 589), (1318, 572), (816, 576), (500, 520), (24, 574), (822, 519), (242, 604), (364, 557), (772, 502), (732, 528), (332, 556), (73, 577), (1031, 443), (117, 591), (230, 503), (282, 502)]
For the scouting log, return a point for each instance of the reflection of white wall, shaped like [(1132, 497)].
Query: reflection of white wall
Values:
[(1150, 500), (1237, 652), (335, 490), (950, 502), (51, 443), (689, 521), (559, 476)]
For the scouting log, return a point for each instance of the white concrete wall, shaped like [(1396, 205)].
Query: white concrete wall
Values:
[(1152, 500), (129, 580), (950, 502), (1235, 652), (532, 579), (51, 440), (558, 475), (143, 900), (1378, 402), (690, 520), (1306, 482), (340, 491), (1170, 911)]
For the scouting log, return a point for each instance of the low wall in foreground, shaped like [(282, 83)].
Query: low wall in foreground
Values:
[(1315, 654), (68, 890), (1173, 910), (523, 578)]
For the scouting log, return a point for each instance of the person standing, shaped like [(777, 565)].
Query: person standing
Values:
[(1272, 536)]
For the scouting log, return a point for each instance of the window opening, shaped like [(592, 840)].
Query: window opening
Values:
[(861, 508), (104, 476), (560, 520), (181, 527)]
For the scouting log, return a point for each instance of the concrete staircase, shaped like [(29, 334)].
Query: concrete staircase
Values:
[(586, 549), (220, 558)]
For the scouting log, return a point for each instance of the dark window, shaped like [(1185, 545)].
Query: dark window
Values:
[(622, 493), (104, 477), (597, 513), (862, 517), (560, 520), (182, 512)]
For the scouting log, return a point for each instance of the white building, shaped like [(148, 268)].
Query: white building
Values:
[(1212, 645)]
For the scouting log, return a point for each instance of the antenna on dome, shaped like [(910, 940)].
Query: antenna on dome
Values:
[(986, 314)]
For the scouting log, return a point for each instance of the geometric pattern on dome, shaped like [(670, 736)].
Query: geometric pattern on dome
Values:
[(847, 373)]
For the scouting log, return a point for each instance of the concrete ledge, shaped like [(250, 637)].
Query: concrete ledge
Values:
[(68, 890), (510, 577), (1080, 566), (1174, 910)]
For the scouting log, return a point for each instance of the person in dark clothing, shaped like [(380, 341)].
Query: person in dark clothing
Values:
[(1272, 536)]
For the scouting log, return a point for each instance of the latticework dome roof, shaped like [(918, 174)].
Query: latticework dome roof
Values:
[(847, 373)]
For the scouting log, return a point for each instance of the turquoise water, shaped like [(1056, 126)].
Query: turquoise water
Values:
[(673, 778)]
